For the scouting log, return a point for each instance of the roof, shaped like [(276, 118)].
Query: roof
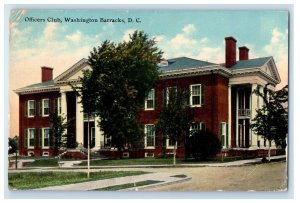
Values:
[(41, 84), (184, 63), (250, 63)]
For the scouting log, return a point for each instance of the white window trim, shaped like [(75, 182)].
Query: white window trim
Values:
[(43, 136), (168, 92), (145, 132), (149, 109), (191, 95), (169, 146), (43, 113), (28, 109), (28, 138)]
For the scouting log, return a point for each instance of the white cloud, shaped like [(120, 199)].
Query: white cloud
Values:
[(189, 29), (75, 37), (50, 30), (127, 33)]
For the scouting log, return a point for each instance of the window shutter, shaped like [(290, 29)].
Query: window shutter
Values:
[(34, 106), (55, 105), (50, 109), (25, 137), (41, 137), (156, 139), (41, 107), (202, 95), (202, 126), (164, 96), (34, 135), (155, 99), (26, 109)]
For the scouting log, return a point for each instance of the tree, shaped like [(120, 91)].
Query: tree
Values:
[(175, 118), (13, 147), (58, 127), (115, 89), (271, 120), (202, 145)]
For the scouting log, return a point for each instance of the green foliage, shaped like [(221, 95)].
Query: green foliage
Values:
[(202, 145), (175, 119), (58, 126), (271, 121), (116, 87), (13, 145)]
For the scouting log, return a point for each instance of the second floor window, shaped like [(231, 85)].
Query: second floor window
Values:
[(149, 103), (197, 95), (46, 107), (31, 108)]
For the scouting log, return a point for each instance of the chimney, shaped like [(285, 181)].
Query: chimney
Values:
[(230, 51), (243, 53), (46, 73)]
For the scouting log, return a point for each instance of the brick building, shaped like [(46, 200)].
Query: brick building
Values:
[(220, 94)]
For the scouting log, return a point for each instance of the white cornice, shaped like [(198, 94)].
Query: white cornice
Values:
[(37, 90)]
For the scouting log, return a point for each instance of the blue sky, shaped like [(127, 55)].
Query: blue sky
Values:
[(195, 34)]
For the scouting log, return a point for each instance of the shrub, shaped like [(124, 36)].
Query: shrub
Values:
[(202, 145)]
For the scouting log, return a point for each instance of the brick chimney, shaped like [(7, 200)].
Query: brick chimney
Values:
[(243, 53), (47, 73), (230, 51)]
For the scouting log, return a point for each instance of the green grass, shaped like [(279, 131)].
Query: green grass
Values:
[(179, 176), (154, 161), (31, 180), (129, 185), (44, 163)]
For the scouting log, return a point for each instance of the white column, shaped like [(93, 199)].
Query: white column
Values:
[(237, 119), (79, 122), (98, 134), (229, 116), (64, 106), (254, 106)]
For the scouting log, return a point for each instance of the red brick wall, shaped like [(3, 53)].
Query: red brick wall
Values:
[(214, 110), (36, 122)]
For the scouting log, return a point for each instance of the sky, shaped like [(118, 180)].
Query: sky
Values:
[(35, 42)]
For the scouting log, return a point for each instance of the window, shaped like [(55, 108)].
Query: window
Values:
[(149, 136), (196, 127), (197, 95), (46, 137), (223, 134), (170, 143), (31, 137), (46, 107), (149, 103), (31, 108), (170, 92)]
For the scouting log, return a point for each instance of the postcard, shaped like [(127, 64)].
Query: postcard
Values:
[(148, 100)]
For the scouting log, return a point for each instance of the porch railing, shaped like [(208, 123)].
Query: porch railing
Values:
[(245, 112)]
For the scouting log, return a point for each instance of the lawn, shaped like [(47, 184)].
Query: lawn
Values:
[(129, 185), (31, 180), (153, 161), (44, 163)]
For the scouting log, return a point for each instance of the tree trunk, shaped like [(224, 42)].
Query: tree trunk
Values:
[(269, 151), (88, 148), (16, 160)]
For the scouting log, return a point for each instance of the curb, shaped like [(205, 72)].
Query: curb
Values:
[(136, 189)]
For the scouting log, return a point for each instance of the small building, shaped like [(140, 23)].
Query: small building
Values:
[(220, 93)]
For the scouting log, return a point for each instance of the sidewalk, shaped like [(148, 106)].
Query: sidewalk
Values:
[(72, 164), (93, 185)]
